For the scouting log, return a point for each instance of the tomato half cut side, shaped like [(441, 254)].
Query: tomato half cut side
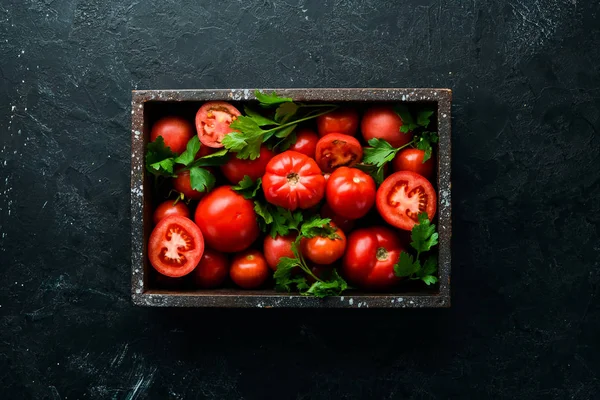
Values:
[(336, 150), (213, 120), (175, 247), (403, 196)]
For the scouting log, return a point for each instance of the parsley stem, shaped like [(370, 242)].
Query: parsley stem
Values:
[(406, 145), (299, 120)]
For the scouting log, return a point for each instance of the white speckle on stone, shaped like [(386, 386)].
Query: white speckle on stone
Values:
[(411, 302), (306, 17), (342, 298), (351, 301), (138, 291), (13, 108), (403, 97), (141, 282), (137, 133), (304, 10), (400, 299), (393, 300)]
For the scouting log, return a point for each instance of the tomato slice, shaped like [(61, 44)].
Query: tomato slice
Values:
[(175, 247), (403, 196), (213, 120), (336, 150)]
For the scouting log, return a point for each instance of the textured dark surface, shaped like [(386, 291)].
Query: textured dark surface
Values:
[(525, 319)]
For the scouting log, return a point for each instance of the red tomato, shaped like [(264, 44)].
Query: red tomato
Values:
[(170, 207), (235, 169), (323, 250), (370, 258), (249, 269), (336, 150), (402, 196), (293, 180), (212, 122), (345, 224), (412, 160), (183, 185), (175, 246), (383, 123), (326, 176), (275, 248), (204, 151), (227, 220), (175, 131), (344, 121), (306, 142), (350, 192), (212, 270)]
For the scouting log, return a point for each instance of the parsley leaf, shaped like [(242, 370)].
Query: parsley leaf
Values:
[(284, 281), (247, 187), (159, 158), (376, 173), (408, 123), (332, 287), (285, 132), (189, 154), (259, 119), (277, 220), (423, 118), (317, 226), (424, 237), (201, 179), (212, 160), (380, 152), (286, 111), (287, 142), (268, 100)]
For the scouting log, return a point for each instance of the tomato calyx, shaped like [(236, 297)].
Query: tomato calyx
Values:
[(381, 254), (293, 178)]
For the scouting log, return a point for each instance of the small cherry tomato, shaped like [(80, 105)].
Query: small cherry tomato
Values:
[(212, 270), (175, 246), (344, 121), (170, 207), (249, 269), (293, 180), (345, 224), (183, 185), (370, 257), (336, 150), (382, 122), (277, 247), (350, 192), (227, 220), (213, 120), (412, 160), (306, 142), (235, 169), (175, 131), (324, 250), (403, 196)]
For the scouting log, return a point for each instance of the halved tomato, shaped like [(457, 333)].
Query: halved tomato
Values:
[(337, 150), (175, 247), (403, 196), (213, 120)]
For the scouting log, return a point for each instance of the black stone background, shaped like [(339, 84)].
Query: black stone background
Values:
[(525, 320)]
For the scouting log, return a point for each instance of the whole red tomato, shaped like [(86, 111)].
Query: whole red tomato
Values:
[(212, 270), (382, 122), (227, 220), (175, 246), (293, 180), (343, 120), (412, 160), (249, 269), (345, 224), (213, 120), (183, 185), (403, 196), (235, 169), (335, 150), (306, 142), (324, 250), (170, 207), (350, 192), (175, 131), (277, 247), (370, 257)]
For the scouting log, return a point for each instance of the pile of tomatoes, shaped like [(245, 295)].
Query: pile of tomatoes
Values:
[(206, 239)]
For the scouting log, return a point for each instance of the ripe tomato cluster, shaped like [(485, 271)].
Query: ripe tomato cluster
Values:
[(214, 235)]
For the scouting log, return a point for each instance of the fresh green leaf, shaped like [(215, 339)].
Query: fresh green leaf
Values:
[(380, 152), (193, 145), (212, 160), (251, 150), (424, 142), (157, 152), (247, 141), (429, 279), (285, 144), (284, 221), (407, 265), (430, 266), (285, 132), (201, 179), (408, 123), (317, 226), (286, 111), (423, 118), (164, 167), (268, 100), (259, 119), (284, 281), (262, 210), (247, 187), (323, 289), (375, 172), (423, 234)]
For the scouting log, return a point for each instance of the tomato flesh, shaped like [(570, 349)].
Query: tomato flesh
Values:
[(292, 180), (336, 150), (370, 257), (403, 196), (175, 247), (213, 120)]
